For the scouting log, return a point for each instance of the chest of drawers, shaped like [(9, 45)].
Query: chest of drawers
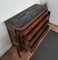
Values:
[(27, 28)]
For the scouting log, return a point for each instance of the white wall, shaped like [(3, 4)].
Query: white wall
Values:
[(43, 1), (5, 42), (53, 7), (9, 8)]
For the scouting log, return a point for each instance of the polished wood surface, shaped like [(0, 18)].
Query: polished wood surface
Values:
[(37, 35), (11, 54), (33, 32)]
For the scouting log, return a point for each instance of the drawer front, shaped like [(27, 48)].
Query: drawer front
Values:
[(33, 38), (34, 31), (37, 40)]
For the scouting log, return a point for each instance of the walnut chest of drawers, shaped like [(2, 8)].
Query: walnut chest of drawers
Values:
[(27, 28)]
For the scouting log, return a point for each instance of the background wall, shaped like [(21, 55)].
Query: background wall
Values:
[(52, 6), (7, 10), (5, 42)]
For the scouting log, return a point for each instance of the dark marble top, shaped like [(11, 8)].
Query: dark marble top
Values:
[(24, 17)]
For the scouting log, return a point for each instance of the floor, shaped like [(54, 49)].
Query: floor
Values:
[(11, 54), (48, 50)]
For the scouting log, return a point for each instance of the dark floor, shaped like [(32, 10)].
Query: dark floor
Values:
[(48, 50)]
